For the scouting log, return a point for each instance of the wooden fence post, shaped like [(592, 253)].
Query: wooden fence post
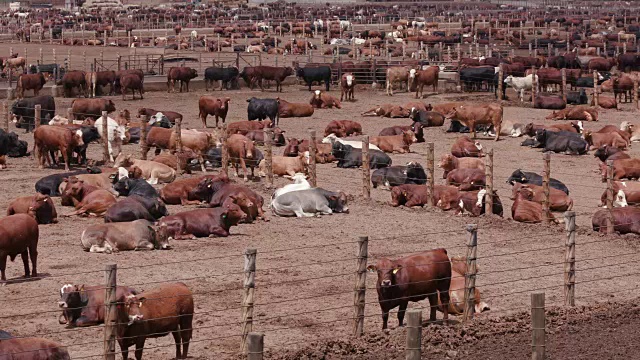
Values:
[(414, 334), (610, 195), (247, 300), (37, 113), (489, 181), (225, 151), (430, 173), (144, 149), (564, 85), (7, 117), (361, 286), (366, 170), (500, 83), (570, 259), (105, 137), (110, 312), (178, 133), (546, 178), (635, 93), (255, 346), (268, 156), (470, 275), (595, 88), (313, 177), (538, 326), (534, 88), (70, 114)]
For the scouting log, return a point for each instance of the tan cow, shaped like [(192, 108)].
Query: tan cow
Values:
[(395, 143), (152, 171), (472, 115), (449, 162), (558, 199), (457, 288), (198, 141), (397, 74), (285, 166)]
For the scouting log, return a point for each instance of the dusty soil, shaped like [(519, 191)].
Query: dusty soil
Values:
[(304, 281)]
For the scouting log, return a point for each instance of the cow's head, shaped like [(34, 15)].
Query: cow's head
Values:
[(317, 95), (110, 106), (132, 305), (338, 202), (349, 78), (72, 299), (387, 271), (409, 137), (232, 214), (123, 160), (412, 74), (446, 162), (620, 199), (249, 148), (39, 206), (517, 176)]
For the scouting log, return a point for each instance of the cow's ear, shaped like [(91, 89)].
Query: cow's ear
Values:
[(372, 268), (396, 269)]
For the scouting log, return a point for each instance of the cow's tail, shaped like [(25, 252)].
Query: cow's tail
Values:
[(19, 84)]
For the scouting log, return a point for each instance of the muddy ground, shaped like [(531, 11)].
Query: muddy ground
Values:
[(306, 267)]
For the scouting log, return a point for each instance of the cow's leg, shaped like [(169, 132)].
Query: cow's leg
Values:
[(217, 231), (66, 153), (244, 168), (178, 340), (401, 311), (139, 347), (33, 255), (3, 266), (201, 160), (25, 261)]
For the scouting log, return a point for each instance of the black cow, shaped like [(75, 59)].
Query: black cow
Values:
[(19, 151), (162, 122), (8, 142), (473, 77), (531, 142), (260, 109), (628, 62), (587, 81), (49, 184), (426, 118), (605, 152), (46, 69), (23, 111), (577, 97), (349, 157), (136, 207), (551, 102), (214, 158), (4, 335), (224, 75), (89, 134), (315, 74), (412, 173), (525, 177), (128, 187), (562, 141)]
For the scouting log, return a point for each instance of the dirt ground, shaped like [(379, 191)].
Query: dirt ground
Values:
[(306, 267)]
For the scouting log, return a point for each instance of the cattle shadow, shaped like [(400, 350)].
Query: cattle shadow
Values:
[(22, 279)]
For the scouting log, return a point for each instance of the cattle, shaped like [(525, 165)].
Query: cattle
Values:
[(466, 179), (23, 111), (411, 195), (31, 348), (210, 105), (626, 220), (88, 199), (83, 108), (310, 202), (19, 235), (420, 78), (159, 138), (49, 185), (426, 118), (332, 139), (611, 139), (122, 236), (116, 134), (605, 102), (285, 166), (53, 138), (449, 162), (347, 86), (74, 79), (39, 206), (457, 290), (584, 113), (127, 187), (241, 150), (83, 305), (9, 142), (395, 143), (411, 173), (566, 142), (287, 109), (558, 200), (100, 79), (89, 134), (199, 142), (322, 100), (33, 82), (471, 116), (472, 78), (413, 278), (323, 151), (153, 313), (388, 110), (525, 177), (260, 109), (181, 74), (243, 127), (152, 171), (551, 102), (625, 193), (465, 147), (343, 128), (133, 82), (600, 64), (474, 203), (416, 127), (186, 156), (629, 128), (136, 207), (213, 222), (349, 157), (526, 210), (171, 115), (315, 74), (259, 137), (520, 84), (277, 74), (248, 200), (224, 75), (605, 153), (577, 97), (622, 169), (178, 192), (16, 62), (397, 74)]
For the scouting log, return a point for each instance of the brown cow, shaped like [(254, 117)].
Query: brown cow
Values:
[(258, 136), (420, 78), (197, 141), (466, 179), (69, 198), (18, 235), (32, 348), (343, 128), (622, 169), (243, 127), (612, 128), (210, 105), (395, 143), (347, 86), (83, 108), (48, 138), (73, 79), (322, 100), (612, 139), (178, 192), (625, 220), (83, 305), (240, 150), (278, 74), (413, 278), (409, 195), (558, 199), (600, 64), (159, 138), (285, 166), (584, 113), (287, 109), (171, 115), (472, 115), (449, 162), (248, 200), (388, 110), (210, 222), (33, 82), (397, 74), (171, 160), (157, 312), (101, 79), (39, 206), (95, 203), (133, 82), (625, 193), (605, 102), (465, 147), (181, 74), (526, 210)]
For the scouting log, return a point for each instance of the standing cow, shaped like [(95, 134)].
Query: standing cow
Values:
[(181, 74), (347, 86)]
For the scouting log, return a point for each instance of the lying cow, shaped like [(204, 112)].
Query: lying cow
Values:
[(84, 305), (395, 143), (465, 147), (558, 200), (412, 173), (562, 141), (152, 171), (449, 162), (626, 220), (322, 100), (348, 157), (203, 222), (625, 193), (299, 183), (457, 289), (524, 209), (122, 236), (311, 202), (333, 138), (288, 109), (525, 177), (28, 348), (474, 203)]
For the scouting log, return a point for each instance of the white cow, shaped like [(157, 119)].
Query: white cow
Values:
[(520, 84), (331, 138), (299, 183), (115, 135)]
